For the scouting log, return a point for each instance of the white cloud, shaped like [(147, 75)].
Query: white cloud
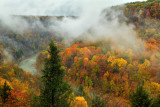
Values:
[(52, 7), (89, 12)]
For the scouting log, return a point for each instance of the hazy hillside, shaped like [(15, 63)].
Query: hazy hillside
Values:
[(111, 55)]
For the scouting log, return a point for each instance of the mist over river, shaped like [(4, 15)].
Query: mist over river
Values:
[(28, 64)]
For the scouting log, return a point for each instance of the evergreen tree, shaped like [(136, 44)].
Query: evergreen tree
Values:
[(55, 92), (5, 92), (97, 102), (81, 91), (156, 102), (140, 98)]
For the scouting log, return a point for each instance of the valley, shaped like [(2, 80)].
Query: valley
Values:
[(107, 59)]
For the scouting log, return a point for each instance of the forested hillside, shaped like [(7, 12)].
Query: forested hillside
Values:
[(117, 72), (99, 72), (20, 44), (148, 9)]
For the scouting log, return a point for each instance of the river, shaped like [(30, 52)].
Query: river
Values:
[(28, 64)]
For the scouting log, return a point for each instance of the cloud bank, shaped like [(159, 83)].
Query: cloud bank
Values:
[(90, 21), (54, 7)]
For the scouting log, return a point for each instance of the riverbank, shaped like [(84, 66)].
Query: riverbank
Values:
[(28, 64)]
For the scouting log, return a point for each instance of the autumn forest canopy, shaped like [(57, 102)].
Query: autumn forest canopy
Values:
[(112, 59)]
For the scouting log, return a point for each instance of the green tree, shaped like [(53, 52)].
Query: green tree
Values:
[(55, 91), (81, 91), (5, 92), (141, 60), (140, 98), (97, 102), (156, 102)]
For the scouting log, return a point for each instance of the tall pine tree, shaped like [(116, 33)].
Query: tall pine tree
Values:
[(140, 98), (5, 92), (55, 91)]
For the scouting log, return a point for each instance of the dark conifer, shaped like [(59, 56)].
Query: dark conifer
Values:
[(140, 98), (5, 92), (55, 92)]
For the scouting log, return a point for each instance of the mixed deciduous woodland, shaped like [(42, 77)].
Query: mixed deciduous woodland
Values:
[(82, 72)]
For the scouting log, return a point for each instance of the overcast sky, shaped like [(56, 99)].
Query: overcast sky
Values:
[(52, 7)]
